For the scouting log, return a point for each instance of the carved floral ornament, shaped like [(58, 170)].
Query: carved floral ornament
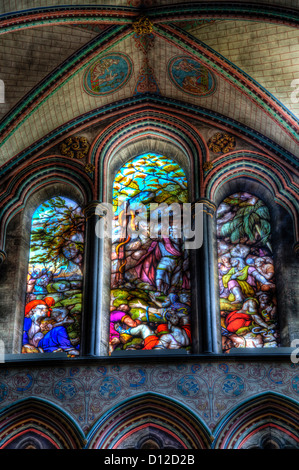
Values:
[(221, 143), (89, 168), (75, 147), (207, 166), (142, 26)]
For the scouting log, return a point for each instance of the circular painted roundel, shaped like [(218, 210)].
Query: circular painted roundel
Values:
[(191, 76), (107, 74)]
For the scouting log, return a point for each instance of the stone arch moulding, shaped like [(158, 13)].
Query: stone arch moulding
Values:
[(50, 14), (139, 132), (271, 180), (233, 74), (125, 139), (268, 410), (133, 415), (147, 106), (28, 188), (77, 61), (40, 419)]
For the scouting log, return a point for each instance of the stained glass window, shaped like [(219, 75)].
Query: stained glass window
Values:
[(53, 307), (150, 279), (246, 273)]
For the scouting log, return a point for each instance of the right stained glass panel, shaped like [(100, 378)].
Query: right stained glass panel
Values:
[(246, 273)]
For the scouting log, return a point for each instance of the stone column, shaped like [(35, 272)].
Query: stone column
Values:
[(95, 331), (207, 280), (285, 256), (90, 281)]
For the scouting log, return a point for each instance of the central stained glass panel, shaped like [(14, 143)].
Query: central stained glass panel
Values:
[(150, 278)]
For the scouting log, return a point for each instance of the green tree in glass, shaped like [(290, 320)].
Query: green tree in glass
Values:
[(251, 222), (57, 235), (150, 179)]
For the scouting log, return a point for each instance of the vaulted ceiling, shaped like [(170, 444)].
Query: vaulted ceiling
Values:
[(249, 52)]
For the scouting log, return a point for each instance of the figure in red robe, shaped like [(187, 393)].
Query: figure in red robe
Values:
[(162, 266)]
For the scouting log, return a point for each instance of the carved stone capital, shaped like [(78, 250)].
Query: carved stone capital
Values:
[(205, 205), (90, 209), (97, 208), (3, 256)]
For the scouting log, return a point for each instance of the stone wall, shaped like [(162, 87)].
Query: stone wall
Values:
[(92, 393)]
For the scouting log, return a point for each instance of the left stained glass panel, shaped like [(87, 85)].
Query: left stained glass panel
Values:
[(53, 308)]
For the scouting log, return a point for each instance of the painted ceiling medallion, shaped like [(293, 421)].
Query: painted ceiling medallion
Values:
[(191, 76), (75, 147), (107, 74), (221, 143)]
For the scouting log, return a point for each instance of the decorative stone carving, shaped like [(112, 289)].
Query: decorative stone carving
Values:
[(221, 143), (89, 168), (75, 147), (207, 166), (142, 26)]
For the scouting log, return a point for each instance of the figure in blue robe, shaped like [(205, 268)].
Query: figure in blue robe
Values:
[(57, 338), (27, 325)]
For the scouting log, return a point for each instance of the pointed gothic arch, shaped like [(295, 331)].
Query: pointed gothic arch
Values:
[(258, 419), (38, 423), (145, 415)]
